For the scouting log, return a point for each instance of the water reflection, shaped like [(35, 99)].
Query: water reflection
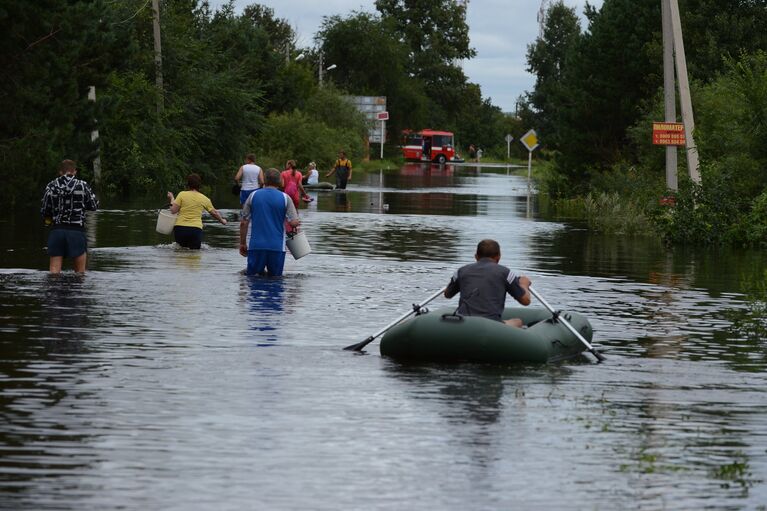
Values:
[(265, 301), (143, 379), (45, 352), (342, 202)]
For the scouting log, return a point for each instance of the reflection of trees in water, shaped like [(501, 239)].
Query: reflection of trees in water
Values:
[(44, 353), (476, 402), (396, 238), (434, 203)]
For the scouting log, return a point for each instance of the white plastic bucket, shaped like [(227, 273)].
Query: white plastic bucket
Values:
[(298, 245), (165, 221)]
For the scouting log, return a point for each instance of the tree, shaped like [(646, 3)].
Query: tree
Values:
[(375, 65), (547, 58), (50, 52)]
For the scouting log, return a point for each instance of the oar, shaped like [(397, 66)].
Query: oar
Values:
[(416, 307), (567, 324)]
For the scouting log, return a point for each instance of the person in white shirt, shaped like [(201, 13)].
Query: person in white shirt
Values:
[(312, 176), (252, 177)]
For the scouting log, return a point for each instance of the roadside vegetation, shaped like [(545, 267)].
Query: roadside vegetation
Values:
[(598, 91), (234, 82)]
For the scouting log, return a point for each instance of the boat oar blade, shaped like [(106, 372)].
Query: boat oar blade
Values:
[(416, 307), (567, 324), (360, 345)]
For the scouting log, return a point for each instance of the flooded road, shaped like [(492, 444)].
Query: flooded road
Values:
[(165, 379)]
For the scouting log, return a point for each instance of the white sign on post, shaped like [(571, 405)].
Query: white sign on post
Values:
[(383, 117), (509, 138)]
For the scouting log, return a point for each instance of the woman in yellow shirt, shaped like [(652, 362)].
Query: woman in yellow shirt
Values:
[(189, 205)]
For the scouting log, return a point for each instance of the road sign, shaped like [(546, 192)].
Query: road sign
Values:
[(530, 140), (668, 133), (509, 138), (382, 116)]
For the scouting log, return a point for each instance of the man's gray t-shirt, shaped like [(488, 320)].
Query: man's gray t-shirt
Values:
[(483, 286)]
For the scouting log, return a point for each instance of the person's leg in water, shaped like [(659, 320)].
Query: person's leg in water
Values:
[(275, 263)]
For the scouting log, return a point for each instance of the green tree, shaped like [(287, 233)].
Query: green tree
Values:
[(547, 58), (50, 52)]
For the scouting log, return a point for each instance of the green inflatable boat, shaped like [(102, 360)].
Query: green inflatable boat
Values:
[(322, 185), (442, 336)]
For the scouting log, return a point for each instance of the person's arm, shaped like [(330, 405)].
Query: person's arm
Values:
[(46, 210), (91, 202), (214, 212), (291, 214), (244, 223), (453, 287), (238, 175), (174, 207), (261, 179), (333, 170), (301, 188), (519, 288), (350, 169)]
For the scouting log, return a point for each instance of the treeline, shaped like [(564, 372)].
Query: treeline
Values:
[(233, 83), (598, 90)]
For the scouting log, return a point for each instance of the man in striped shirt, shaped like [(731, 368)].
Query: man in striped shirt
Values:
[(65, 201)]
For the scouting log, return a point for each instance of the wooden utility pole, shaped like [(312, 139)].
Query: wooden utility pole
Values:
[(669, 93), (158, 54), (94, 138), (684, 92)]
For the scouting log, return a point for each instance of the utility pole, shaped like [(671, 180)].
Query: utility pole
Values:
[(158, 54), (320, 69), (669, 93), (94, 137), (684, 93)]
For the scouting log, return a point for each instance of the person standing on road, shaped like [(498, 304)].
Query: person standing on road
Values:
[(291, 182), (65, 201), (342, 169), (189, 205), (262, 228), (252, 177)]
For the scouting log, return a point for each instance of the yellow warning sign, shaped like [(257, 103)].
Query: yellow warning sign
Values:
[(530, 140)]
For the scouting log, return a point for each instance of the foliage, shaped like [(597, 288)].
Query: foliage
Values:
[(50, 53), (703, 214), (547, 60), (611, 213), (303, 138)]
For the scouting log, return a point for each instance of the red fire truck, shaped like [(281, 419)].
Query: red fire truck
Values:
[(429, 145)]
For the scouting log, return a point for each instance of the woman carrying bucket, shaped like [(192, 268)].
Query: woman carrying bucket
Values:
[(189, 205)]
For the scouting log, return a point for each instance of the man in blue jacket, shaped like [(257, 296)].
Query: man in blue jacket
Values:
[(262, 229)]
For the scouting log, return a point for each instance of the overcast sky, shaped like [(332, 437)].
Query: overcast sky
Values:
[(500, 31)]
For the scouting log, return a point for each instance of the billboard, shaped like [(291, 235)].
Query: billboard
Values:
[(371, 106)]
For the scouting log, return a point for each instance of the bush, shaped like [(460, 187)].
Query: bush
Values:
[(299, 137)]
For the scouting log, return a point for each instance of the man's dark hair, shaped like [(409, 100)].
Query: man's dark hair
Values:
[(488, 248), (193, 182), (251, 158), (272, 178), (67, 166)]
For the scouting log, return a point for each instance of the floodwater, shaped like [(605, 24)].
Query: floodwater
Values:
[(165, 379)]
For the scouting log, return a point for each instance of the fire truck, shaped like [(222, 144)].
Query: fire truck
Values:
[(428, 145)]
